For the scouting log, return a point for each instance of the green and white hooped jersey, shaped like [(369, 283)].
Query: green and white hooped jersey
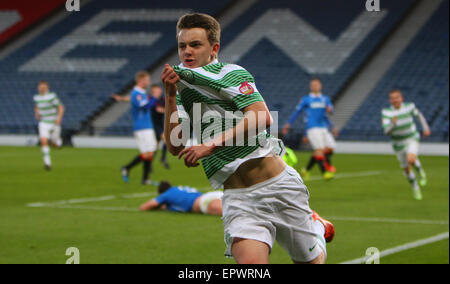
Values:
[(211, 97), (405, 130), (48, 107)]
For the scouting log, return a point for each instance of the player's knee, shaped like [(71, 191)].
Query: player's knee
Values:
[(319, 260)]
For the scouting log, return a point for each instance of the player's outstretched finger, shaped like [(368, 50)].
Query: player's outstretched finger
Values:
[(184, 151)]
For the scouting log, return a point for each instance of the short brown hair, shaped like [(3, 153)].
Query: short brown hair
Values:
[(204, 21), (164, 186), (395, 91), (141, 74), (43, 82)]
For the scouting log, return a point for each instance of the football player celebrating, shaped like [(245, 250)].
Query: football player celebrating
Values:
[(256, 181)]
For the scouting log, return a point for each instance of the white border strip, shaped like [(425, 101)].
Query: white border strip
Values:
[(343, 147), (401, 248)]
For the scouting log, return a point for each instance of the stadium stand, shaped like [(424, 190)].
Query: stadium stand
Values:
[(18, 16), (422, 74), (88, 56), (280, 75)]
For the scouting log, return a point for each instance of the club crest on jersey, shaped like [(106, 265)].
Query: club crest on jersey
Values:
[(187, 75), (246, 88), (139, 97)]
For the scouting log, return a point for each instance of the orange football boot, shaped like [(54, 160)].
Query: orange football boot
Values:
[(329, 228)]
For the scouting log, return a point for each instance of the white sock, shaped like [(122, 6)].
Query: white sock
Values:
[(46, 153), (319, 229), (412, 180), (418, 165)]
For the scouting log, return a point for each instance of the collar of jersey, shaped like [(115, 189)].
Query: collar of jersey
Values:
[(139, 89), (314, 96)]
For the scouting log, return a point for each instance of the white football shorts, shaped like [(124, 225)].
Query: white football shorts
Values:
[(146, 140), (318, 137), (412, 147), (50, 131), (207, 198), (277, 209)]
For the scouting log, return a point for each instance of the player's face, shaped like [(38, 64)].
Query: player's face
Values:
[(315, 86), (145, 82), (43, 89), (396, 99), (194, 49), (156, 92)]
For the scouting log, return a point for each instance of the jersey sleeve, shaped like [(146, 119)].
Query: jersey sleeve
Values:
[(56, 101), (330, 104), (301, 105), (162, 199), (239, 86)]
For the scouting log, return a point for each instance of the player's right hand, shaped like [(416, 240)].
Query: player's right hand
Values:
[(169, 79)]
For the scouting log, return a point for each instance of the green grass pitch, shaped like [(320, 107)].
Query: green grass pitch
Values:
[(370, 204)]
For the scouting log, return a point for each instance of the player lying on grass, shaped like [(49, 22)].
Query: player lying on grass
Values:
[(49, 111), (398, 123), (185, 199), (157, 113), (316, 106), (143, 128), (264, 199)]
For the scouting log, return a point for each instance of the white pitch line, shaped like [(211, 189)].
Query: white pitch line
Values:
[(403, 247), (349, 175), (389, 220), (91, 199), (99, 208)]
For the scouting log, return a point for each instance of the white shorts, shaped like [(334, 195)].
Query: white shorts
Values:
[(318, 137), (207, 198), (331, 142), (277, 209), (50, 131), (411, 148), (146, 140)]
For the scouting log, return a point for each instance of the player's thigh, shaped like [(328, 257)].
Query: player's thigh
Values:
[(44, 130), (412, 151), (245, 216), (402, 157), (294, 224), (247, 251), (55, 135)]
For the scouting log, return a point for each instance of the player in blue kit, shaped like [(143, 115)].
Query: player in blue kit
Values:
[(143, 127), (185, 199), (316, 107)]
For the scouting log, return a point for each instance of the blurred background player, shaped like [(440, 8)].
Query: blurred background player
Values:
[(157, 114), (185, 199), (143, 128), (398, 123), (157, 111), (316, 106), (49, 111)]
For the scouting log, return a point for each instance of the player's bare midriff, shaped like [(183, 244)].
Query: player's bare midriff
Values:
[(255, 171)]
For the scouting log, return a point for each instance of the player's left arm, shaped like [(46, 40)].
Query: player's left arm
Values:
[(150, 205), (61, 111), (330, 108), (257, 118), (423, 122)]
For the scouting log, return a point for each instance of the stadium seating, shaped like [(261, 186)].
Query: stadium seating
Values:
[(280, 79), (85, 68), (421, 73)]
